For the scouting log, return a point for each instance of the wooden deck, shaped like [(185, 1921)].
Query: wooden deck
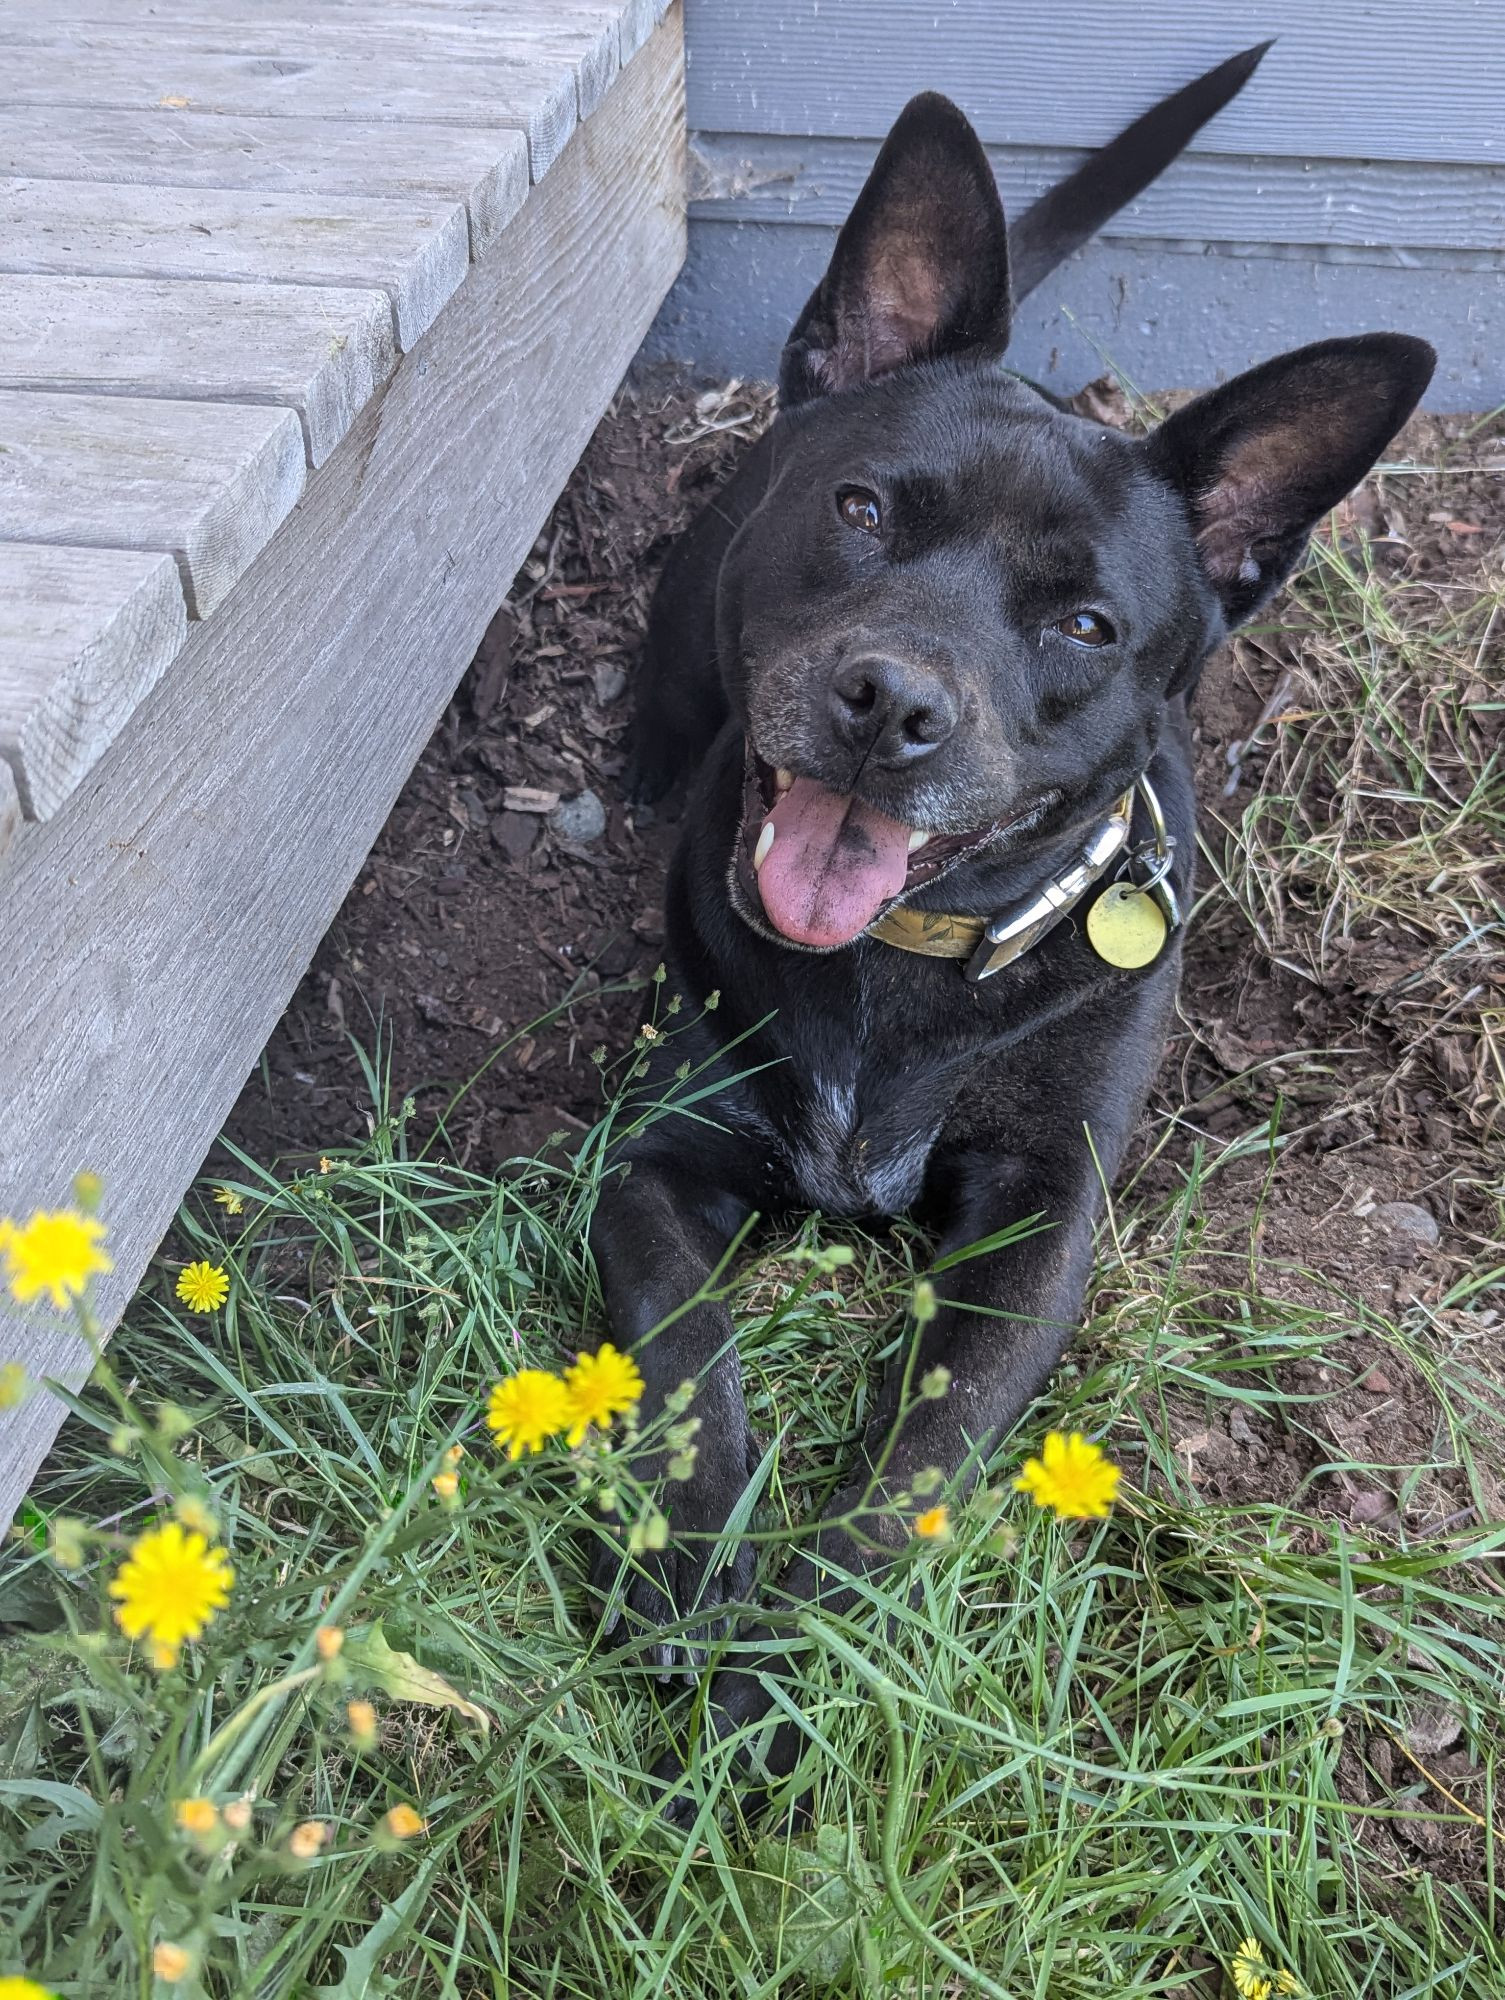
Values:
[(306, 311)]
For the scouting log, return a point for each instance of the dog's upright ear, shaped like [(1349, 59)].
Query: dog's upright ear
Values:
[(920, 269), (1260, 460)]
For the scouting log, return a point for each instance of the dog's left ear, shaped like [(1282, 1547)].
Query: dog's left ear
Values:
[(920, 269), (1262, 459)]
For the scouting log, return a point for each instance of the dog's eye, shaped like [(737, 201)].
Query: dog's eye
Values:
[(1086, 628), (859, 509)]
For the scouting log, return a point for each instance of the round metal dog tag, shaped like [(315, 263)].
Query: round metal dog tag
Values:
[(1126, 926)]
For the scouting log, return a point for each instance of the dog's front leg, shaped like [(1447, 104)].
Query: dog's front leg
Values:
[(657, 1238), (1004, 1318)]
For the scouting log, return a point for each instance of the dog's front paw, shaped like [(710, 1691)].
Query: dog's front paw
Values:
[(739, 1704), (687, 1584)]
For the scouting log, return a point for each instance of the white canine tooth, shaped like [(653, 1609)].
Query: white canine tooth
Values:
[(782, 779), (765, 842), (918, 839)]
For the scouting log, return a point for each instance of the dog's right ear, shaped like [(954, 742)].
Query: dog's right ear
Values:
[(920, 269)]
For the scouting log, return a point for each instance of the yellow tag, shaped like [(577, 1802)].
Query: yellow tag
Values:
[(1126, 926)]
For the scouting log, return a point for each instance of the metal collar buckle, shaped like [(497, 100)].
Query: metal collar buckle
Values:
[(1014, 931)]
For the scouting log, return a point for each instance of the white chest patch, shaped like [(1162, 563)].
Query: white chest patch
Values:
[(846, 1164)]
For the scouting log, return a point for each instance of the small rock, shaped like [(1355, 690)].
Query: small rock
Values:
[(514, 833), (1376, 1383), (580, 818), (1409, 1221), (610, 680)]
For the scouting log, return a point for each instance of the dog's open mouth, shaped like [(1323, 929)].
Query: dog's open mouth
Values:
[(824, 865)]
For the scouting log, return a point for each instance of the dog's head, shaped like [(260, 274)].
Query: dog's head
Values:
[(953, 622)]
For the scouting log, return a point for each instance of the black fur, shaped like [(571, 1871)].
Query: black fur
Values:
[(920, 667)]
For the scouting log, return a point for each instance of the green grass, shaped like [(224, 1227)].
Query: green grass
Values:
[(1081, 1759)]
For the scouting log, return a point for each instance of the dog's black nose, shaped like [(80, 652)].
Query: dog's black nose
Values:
[(892, 710)]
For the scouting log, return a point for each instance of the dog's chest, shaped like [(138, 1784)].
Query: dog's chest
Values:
[(857, 1151)]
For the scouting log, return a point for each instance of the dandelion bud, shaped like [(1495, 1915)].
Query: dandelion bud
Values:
[(237, 1815), (305, 1840), (924, 1483), (713, 1000), (924, 1305), (362, 1719), (197, 1816), (123, 1440), (606, 1499), (680, 1399), (173, 1422), (195, 1516), (402, 1823), (67, 1542), (660, 973), (446, 1485), (682, 1465), (15, 1385), (934, 1383), (88, 1189), (328, 1641), (171, 1962), (453, 1456)]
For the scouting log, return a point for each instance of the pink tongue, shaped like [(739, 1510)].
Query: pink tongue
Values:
[(833, 863)]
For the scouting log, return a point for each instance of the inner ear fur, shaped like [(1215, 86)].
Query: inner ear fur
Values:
[(920, 267), (1260, 460)]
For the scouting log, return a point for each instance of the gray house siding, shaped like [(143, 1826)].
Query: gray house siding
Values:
[(1358, 182)]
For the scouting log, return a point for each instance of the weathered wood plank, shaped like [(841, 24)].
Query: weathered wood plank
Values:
[(738, 177), (628, 23), (10, 809), (322, 353), (486, 169), (84, 635), (539, 98), (1404, 83), (208, 483), (416, 252), (198, 885)]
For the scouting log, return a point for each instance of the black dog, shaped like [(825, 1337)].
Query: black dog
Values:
[(934, 643)]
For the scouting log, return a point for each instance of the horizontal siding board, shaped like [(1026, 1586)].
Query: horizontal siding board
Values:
[(1385, 79), (486, 168), (1215, 196), (1166, 318)]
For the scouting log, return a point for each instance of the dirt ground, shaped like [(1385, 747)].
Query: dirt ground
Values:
[(511, 872)]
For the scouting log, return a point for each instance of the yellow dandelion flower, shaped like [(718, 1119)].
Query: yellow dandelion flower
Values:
[(203, 1287), (934, 1525), (14, 1988), (446, 1484), (402, 1823), (55, 1253), (329, 1642), (527, 1409), (231, 1202), (196, 1815), (15, 1385), (326, 1165), (1251, 1976), (306, 1839), (1287, 1982), (453, 1456), (1072, 1476), (600, 1386), (362, 1719), (169, 1588), (171, 1962)]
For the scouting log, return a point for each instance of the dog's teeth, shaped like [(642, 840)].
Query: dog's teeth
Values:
[(918, 839), (782, 779), (765, 842)]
